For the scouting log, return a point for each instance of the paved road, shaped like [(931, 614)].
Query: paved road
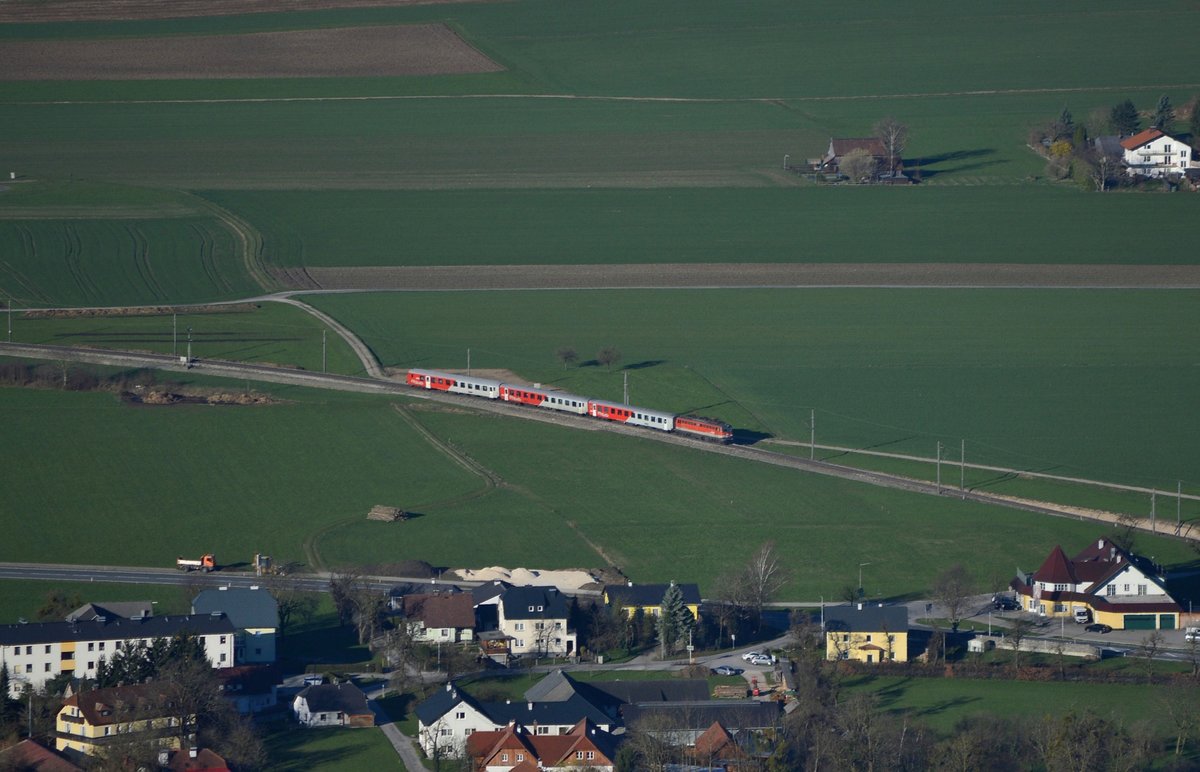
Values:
[(242, 371)]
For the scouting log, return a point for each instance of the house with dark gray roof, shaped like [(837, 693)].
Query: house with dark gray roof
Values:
[(611, 696), (341, 704), (648, 598), (130, 609), (34, 653), (255, 614), (536, 620), (865, 632)]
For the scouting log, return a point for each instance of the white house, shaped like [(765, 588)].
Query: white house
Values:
[(255, 614), (440, 618), (535, 618), (39, 652), (1152, 153), (332, 705)]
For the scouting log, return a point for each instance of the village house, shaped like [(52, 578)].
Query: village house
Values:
[(1151, 153), (583, 746), (255, 614), (533, 619), (629, 598), (250, 688), (94, 719), (866, 633), (341, 704), (29, 755), (439, 618), (1110, 585), (35, 653)]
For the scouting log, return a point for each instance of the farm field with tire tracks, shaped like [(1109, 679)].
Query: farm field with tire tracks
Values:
[(615, 134)]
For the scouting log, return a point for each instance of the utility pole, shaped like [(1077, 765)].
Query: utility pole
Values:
[(626, 387), (939, 466), (189, 354), (812, 433), (324, 361), (1153, 511), (1178, 501), (468, 363), (174, 334), (10, 302), (962, 469)]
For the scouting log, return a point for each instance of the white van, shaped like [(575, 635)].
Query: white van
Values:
[(1082, 615)]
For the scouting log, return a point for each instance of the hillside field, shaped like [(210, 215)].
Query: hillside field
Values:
[(296, 480), (1097, 384)]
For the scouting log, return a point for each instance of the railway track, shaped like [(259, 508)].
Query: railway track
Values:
[(294, 377)]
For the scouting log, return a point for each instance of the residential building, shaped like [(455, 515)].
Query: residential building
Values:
[(584, 745), (251, 688), (629, 598), (93, 720), (717, 744), (1152, 153), (35, 653), (610, 697), (192, 760), (341, 704), (535, 618), (683, 723), (866, 633), (449, 716), (133, 609), (31, 756), (255, 614), (1115, 587), (440, 618)]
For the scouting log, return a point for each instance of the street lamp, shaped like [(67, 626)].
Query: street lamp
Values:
[(860, 586)]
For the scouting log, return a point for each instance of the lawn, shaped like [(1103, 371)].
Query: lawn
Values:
[(1096, 384), (186, 479), (240, 480), (269, 333), (20, 599), (291, 747), (943, 702), (935, 224)]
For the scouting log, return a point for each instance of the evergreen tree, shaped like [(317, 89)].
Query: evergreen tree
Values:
[(1124, 118), (1164, 114), (1064, 127), (674, 621)]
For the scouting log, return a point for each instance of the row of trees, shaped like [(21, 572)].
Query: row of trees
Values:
[(607, 356)]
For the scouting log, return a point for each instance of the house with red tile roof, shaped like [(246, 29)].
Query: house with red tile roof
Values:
[(1117, 588), (515, 748), (1151, 153), (716, 744), (31, 756)]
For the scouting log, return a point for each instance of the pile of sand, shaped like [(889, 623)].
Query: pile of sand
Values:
[(565, 580)]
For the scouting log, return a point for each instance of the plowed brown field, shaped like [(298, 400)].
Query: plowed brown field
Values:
[(425, 49), (687, 275)]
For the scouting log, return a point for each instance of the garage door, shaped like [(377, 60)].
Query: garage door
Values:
[(1166, 621), (1140, 621)]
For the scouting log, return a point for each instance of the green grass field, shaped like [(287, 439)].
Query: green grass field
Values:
[(1096, 384), (943, 702), (22, 599), (296, 481), (271, 333), (295, 749)]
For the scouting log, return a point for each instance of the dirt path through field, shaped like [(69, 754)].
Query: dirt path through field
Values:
[(731, 275)]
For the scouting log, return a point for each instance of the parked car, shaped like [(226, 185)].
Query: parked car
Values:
[(1082, 615), (1098, 627), (1005, 603), (752, 654), (763, 660), (727, 670), (1192, 635)]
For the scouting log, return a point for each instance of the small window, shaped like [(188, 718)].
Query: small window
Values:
[(47, 667), (101, 645), (47, 648), (29, 650), (460, 715), (91, 646)]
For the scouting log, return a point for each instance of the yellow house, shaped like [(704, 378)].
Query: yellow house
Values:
[(1103, 583), (91, 720), (649, 597), (866, 633)]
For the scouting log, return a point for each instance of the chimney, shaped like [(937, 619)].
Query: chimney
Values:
[(164, 758), (530, 705), (629, 583), (192, 751), (1100, 545), (860, 605)]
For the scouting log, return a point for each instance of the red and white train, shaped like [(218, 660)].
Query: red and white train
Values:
[(693, 426)]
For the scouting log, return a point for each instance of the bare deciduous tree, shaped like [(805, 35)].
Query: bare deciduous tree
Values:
[(1018, 631), (295, 604), (608, 356), (567, 355), (858, 165), (952, 589), (761, 579), (894, 136)]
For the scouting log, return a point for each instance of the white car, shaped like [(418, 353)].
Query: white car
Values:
[(752, 654), (762, 660)]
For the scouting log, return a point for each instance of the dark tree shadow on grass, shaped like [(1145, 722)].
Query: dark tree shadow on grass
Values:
[(645, 364), (913, 165)]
